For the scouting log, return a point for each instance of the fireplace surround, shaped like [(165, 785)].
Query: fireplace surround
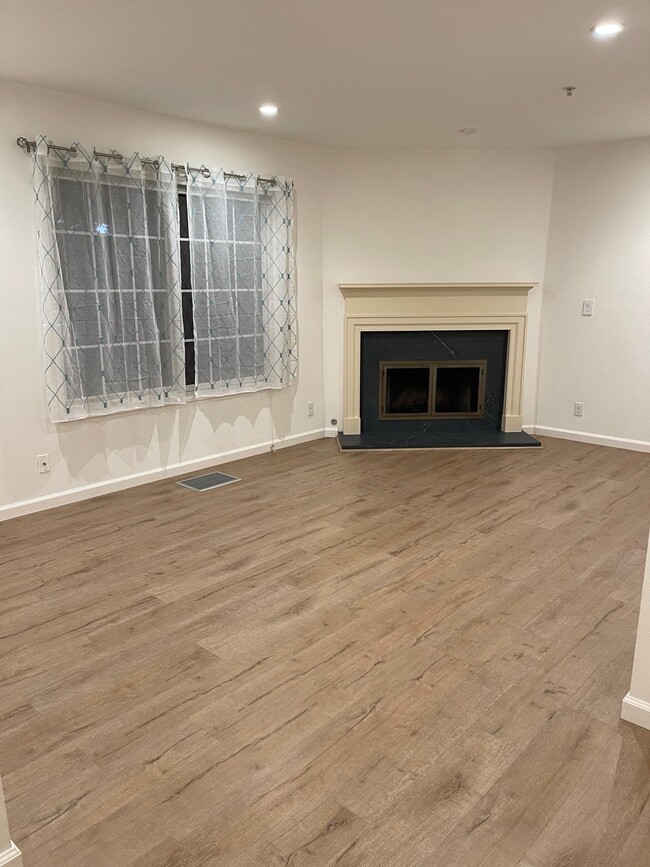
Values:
[(435, 381), (374, 312)]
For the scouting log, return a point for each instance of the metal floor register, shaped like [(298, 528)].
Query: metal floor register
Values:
[(207, 482)]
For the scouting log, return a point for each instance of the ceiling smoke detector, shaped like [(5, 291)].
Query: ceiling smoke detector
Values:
[(468, 130)]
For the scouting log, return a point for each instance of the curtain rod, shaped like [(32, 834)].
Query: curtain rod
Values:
[(30, 146)]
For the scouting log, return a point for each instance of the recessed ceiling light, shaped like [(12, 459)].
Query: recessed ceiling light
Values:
[(468, 130), (268, 110), (607, 28)]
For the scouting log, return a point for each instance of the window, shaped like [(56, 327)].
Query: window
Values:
[(186, 288), (110, 282), (111, 248), (155, 281), (230, 310), (240, 282)]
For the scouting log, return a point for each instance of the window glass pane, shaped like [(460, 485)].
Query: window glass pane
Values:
[(90, 370), (138, 264), (147, 360), (244, 220), (137, 215), (228, 355), (247, 356), (118, 208), (217, 265), (84, 319), (104, 262), (224, 314), (110, 317), (186, 280), (190, 356), (203, 361), (214, 220), (115, 365), (129, 315), (153, 214), (246, 303), (245, 266), (147, 329), (201, 317), (70, 205), (188, 320), (76, 254)]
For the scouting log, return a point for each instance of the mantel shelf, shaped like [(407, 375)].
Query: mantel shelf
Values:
[(360, 290)]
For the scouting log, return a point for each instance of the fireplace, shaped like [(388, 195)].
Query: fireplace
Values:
[(435, 381), (433, 365), (431, 389)]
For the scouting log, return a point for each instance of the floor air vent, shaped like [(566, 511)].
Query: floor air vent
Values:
[(207, 482)]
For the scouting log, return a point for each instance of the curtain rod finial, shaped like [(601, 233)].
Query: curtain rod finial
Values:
[(22, 142)]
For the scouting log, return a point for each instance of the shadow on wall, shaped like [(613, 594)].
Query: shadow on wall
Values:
[(282, 403), (124, 443)]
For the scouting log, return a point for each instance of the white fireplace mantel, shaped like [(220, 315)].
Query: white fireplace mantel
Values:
[(435, 307)]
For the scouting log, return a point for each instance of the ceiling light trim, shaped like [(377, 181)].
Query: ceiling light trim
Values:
[(607, 29)]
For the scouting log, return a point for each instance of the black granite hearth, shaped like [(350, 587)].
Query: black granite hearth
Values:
[(429, 440)]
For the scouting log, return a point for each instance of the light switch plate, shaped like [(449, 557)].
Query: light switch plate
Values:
[(588, 307)]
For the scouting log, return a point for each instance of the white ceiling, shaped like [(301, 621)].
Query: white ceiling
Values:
[(357, 73)]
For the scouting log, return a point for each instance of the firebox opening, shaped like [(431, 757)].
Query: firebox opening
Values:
[(408, 390), (432, 389), (458, 389)]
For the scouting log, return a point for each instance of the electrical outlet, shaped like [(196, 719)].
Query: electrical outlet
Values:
[(310, 408), (43, 463), (588, 307), (578, 408)]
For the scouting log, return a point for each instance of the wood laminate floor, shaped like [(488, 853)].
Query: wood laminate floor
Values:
[(360, 660)]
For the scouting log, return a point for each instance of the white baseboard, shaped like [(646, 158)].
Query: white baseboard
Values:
[(11, 856), (330, 432), (96, 489), (592, 439), (636, 711)]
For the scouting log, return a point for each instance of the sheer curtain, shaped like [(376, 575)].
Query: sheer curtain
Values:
[(110, 277), (243, 289)]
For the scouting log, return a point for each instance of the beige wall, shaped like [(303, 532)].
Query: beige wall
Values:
[(599, 247), (433, 217), (99, 450)]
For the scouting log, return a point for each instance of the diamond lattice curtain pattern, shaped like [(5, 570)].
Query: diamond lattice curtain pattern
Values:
[(243, 288), (110, 277)]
